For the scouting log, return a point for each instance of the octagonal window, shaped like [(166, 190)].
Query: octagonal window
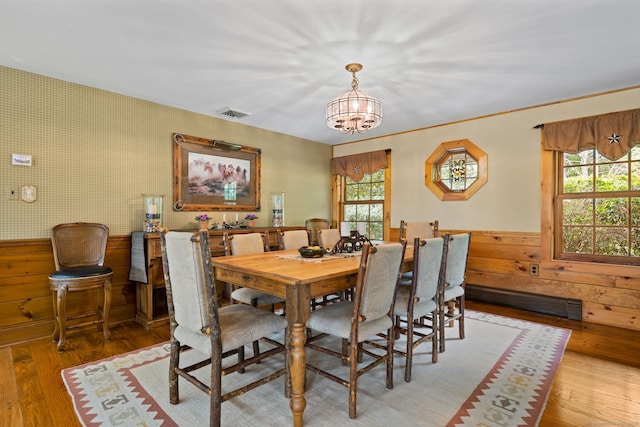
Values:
[(456, 170)]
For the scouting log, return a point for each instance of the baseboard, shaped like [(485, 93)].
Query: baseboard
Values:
[(563, 307)]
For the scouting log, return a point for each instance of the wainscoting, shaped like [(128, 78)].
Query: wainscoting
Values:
[(498, 261)]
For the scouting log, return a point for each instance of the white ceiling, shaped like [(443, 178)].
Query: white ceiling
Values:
[(281, 61)]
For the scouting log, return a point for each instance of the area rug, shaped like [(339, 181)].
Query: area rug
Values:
[(499, 375)]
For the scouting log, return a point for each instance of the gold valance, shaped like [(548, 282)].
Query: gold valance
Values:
[(611, 134), (357, 165)]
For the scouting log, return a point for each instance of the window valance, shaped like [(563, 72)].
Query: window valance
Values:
[(611, 134), (355, 166)]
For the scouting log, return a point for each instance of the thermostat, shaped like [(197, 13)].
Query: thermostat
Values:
[(28, 193)]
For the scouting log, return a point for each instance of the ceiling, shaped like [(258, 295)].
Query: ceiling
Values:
[(281, 61)]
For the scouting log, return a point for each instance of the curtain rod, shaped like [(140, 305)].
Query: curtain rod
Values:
[(540, 126)]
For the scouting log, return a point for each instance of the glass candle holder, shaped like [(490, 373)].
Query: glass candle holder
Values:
[(277, 207), (152, 212)]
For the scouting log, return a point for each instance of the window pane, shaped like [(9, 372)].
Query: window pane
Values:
[(635, 211), (611, 241), (377, 212), (377, 191), (577, 240), (578, 179), (635, 242), (351, 193), (350, 212), (612, 177), (362, 213), (577, 212), (611, 211), (375, 231), (364, 192), (635, 176)]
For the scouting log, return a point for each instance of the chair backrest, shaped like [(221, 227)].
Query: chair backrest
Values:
[(429, 259), (241, 244), (186, 261), (79, 244), (409, 230), (378, 276), (328, 237), (293, 239), (457, 255), (313, 225)]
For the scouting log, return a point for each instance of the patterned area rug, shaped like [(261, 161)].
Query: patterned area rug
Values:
[(499, 375)]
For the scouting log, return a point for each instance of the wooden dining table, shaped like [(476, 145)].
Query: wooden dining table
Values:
[(297, 280)]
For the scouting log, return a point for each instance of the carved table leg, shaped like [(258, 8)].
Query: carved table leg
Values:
[(297, 362), (62, 314)]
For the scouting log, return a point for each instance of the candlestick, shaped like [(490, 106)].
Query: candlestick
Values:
[(236, 217), (224, 218)]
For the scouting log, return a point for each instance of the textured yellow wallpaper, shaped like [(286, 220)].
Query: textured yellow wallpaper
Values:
[(95, 152)]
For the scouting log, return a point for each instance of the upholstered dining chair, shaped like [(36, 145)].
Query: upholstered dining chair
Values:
[(79, 250), (243, 244), (409, 230), (328, 237), (313, 225), (292, 239), (370, 313), (197, 324), (419, 301), (452, 300)]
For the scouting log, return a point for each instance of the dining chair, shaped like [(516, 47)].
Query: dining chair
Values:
[(419, 301), (292, 239), (214, 333), (243, 244), (328, 237), (409, 230), (368, 314), (452, 299), (79, 250), (313, 224)]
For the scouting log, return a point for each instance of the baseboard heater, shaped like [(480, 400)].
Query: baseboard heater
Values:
[(563, 307)]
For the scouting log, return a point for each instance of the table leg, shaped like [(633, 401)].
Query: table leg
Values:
[(297, 363)]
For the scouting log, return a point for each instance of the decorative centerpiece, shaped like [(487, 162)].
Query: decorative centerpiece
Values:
[(251, 220), (312, 251), (203, 221)]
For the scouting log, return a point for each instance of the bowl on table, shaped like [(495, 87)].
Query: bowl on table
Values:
[(312, 251)]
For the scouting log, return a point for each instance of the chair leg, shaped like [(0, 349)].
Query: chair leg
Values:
[(56, 327), (174, 363), (256, 344), (241, 358), (62, 314), (106, 308), (390, 345), (461, 304), (215, 390), (434, 337), (353, 378), (409, 355), (441, 340)]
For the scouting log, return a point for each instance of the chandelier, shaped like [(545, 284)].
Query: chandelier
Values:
[(354, 111)]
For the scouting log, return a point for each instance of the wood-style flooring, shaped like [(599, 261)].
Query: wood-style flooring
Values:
[(597, 383)]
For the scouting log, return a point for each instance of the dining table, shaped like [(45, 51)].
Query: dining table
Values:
[(297, 280)]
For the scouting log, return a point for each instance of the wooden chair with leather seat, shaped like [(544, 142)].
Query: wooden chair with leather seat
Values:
[(313, 225), (452, 299), (369, 314), (78, 252), (214, 333)]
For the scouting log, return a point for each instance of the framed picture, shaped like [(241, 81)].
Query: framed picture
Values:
[(211, 175)]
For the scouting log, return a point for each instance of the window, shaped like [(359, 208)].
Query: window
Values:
[(456, 170), (363, 202), (598, 207)]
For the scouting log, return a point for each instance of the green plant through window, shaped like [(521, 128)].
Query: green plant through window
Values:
[(599, 201), (364, 203)]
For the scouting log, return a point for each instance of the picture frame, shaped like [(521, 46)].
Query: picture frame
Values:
[(212, 175)]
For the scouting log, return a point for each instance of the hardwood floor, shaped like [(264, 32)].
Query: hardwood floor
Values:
[(597, 384)]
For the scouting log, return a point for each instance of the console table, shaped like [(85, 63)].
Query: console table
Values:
[(146, 269)]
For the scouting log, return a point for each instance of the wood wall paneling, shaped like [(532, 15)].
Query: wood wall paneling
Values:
[(610, 295)]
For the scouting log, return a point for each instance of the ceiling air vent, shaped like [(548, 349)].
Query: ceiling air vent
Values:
[(234, 114)]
